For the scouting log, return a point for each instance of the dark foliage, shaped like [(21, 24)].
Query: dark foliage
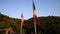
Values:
[(48, 25)]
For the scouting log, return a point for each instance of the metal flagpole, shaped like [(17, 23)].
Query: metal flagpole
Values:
[(35, 27), (21, 29)]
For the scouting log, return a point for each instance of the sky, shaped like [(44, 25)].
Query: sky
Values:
[(14, 8)]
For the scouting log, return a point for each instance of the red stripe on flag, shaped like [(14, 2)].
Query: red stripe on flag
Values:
[(36, 20)]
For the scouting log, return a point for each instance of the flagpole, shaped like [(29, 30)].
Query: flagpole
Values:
[(21, 29), (35, 26)]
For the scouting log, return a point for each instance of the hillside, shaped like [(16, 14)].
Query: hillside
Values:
[(6, 22), (48, 25)]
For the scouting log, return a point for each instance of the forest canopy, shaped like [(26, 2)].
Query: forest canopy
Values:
[(48, 24)]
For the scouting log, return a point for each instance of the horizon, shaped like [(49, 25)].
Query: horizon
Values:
[(14, 8), (30, 17)]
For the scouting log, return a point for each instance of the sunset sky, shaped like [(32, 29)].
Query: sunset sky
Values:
[(14, 8)]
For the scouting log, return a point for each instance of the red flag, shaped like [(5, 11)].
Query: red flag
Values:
[(22, 20), (36, 20)]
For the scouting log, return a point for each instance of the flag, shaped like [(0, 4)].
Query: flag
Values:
[(36, 20), (22, 20)]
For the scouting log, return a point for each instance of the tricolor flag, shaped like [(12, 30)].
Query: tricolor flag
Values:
[(22, 20), (36, 20)]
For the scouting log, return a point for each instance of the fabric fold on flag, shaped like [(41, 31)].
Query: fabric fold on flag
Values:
[(36, 20), (22, 20)]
